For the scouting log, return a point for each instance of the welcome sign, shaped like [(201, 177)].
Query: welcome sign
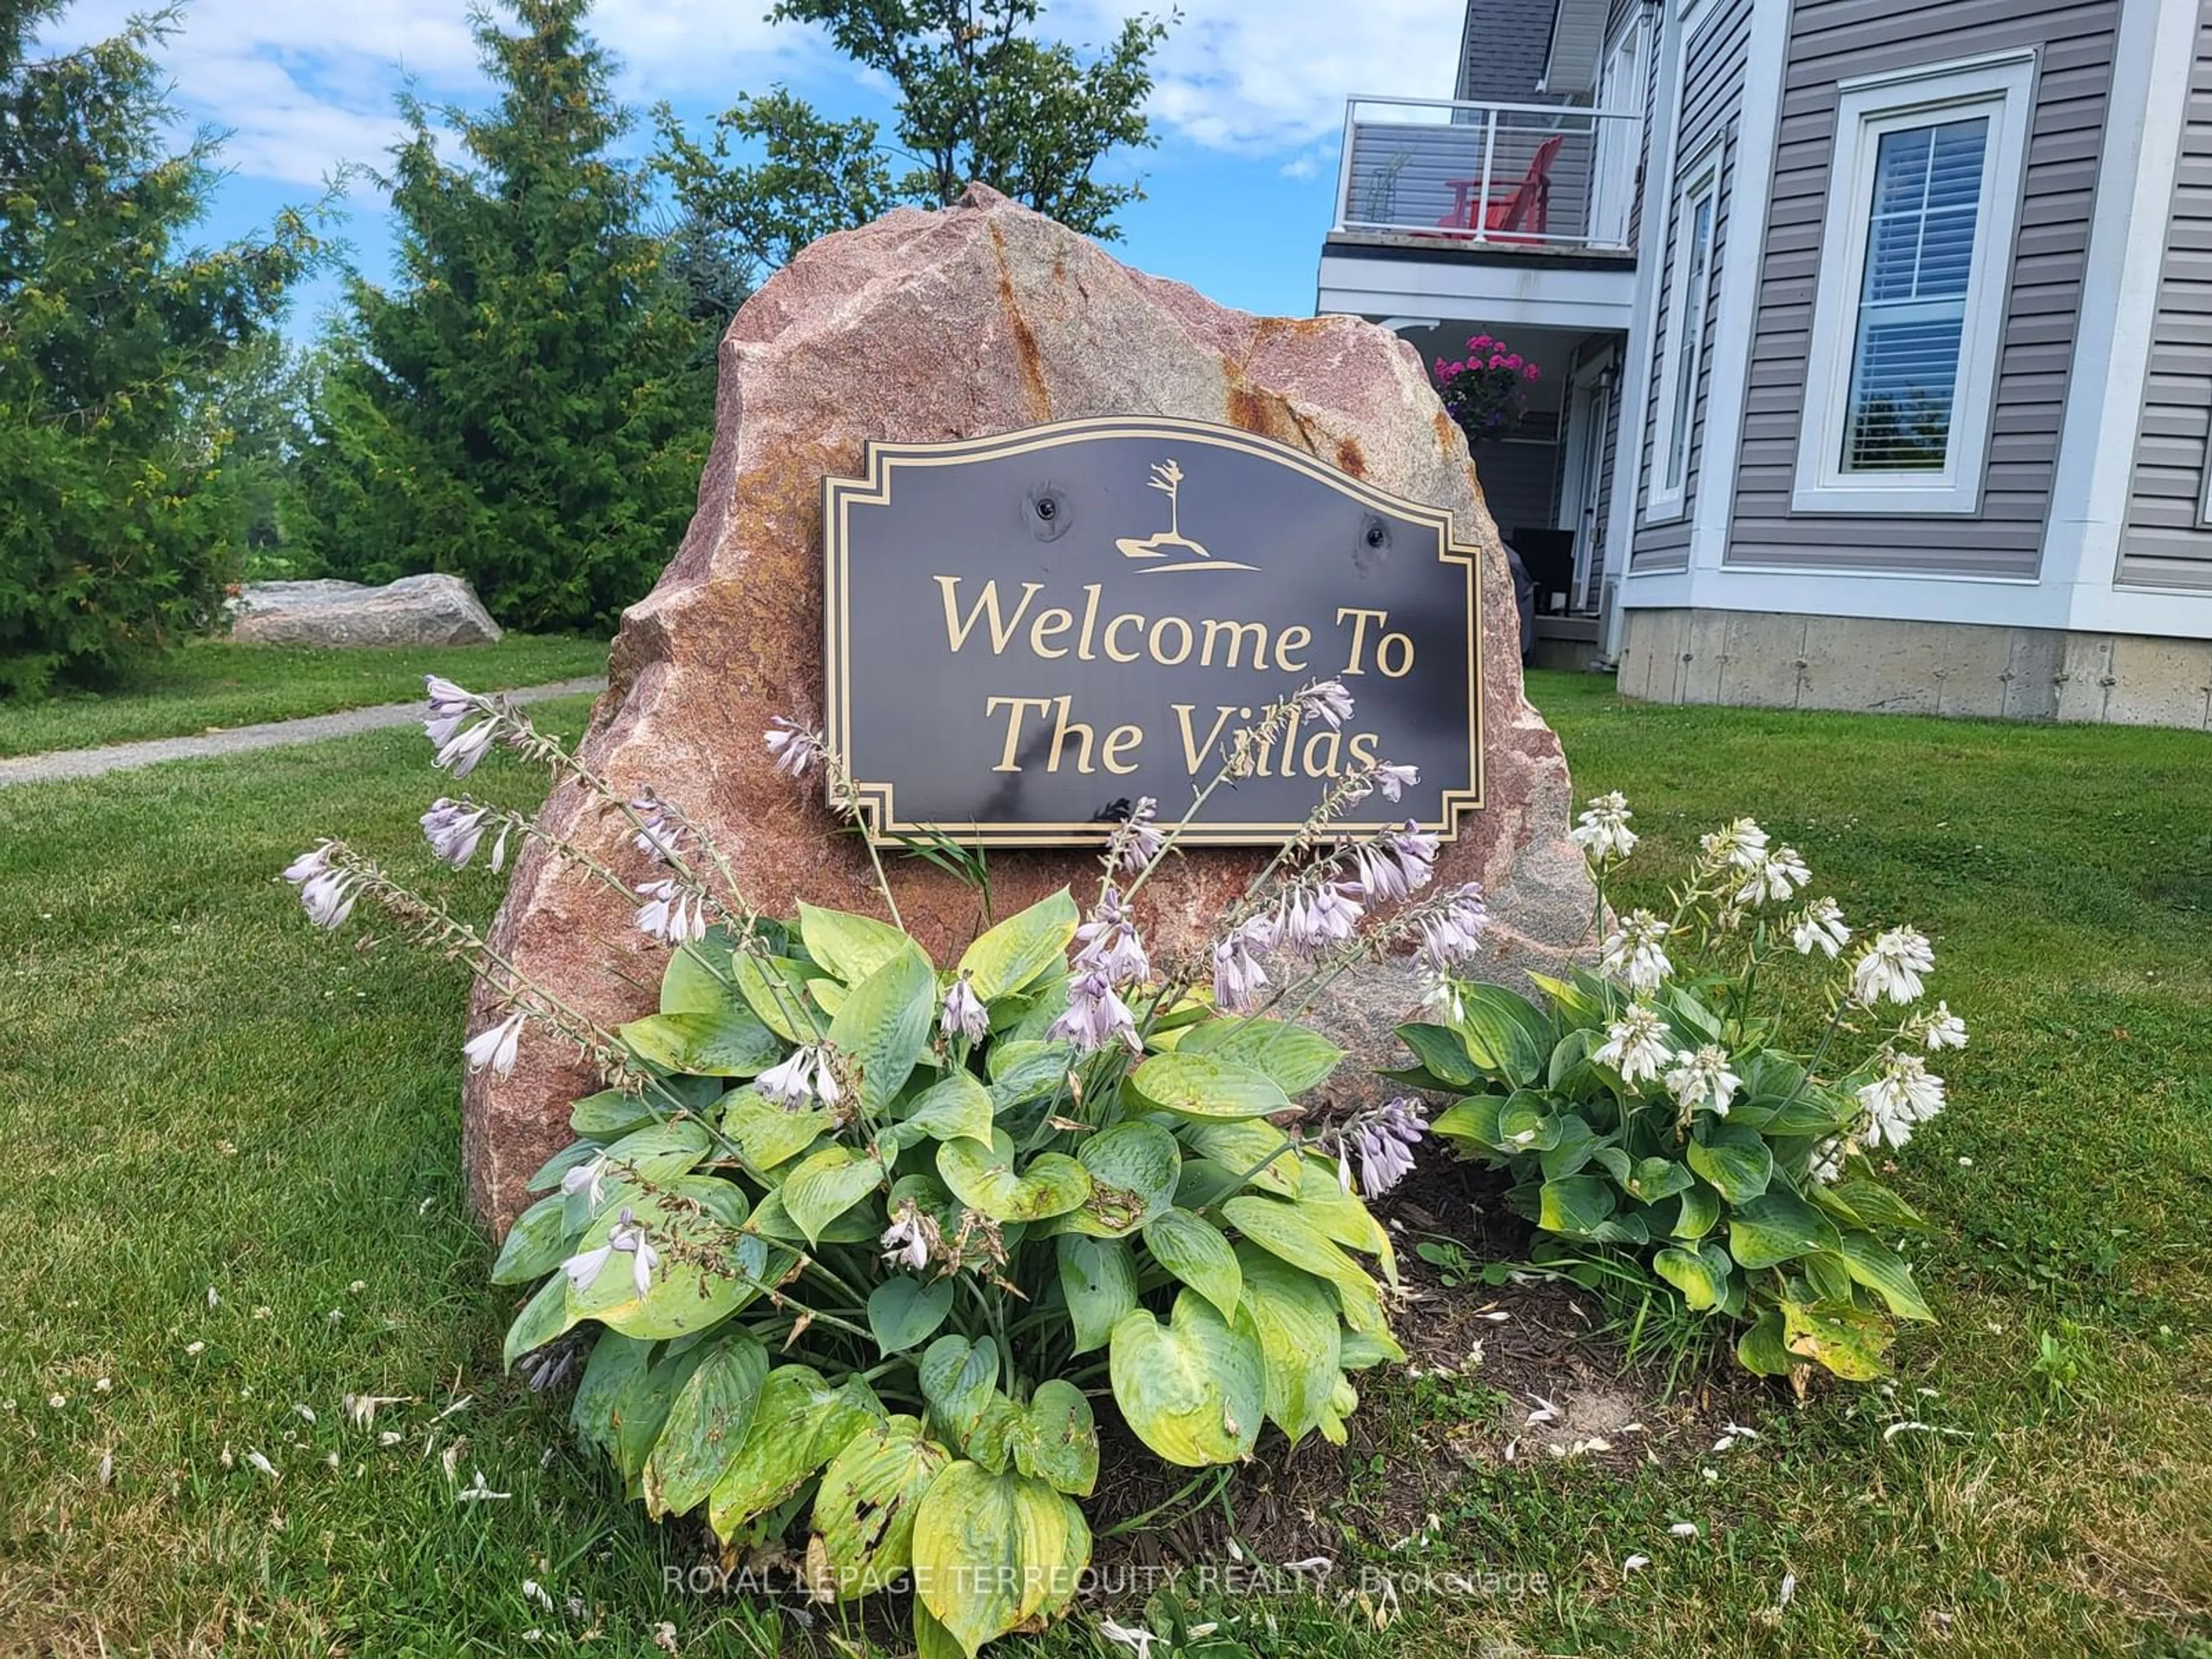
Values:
[(1027, 633)]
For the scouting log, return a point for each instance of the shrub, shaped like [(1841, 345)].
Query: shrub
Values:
[(855, 1238), (1648, 1113)]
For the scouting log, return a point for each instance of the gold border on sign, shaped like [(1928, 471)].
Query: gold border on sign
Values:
[(840, 495)]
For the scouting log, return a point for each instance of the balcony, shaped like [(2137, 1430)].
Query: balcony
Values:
[(1507, 213)]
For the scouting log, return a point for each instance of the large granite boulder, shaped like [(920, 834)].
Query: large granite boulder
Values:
[(977, 319), (431, 610)]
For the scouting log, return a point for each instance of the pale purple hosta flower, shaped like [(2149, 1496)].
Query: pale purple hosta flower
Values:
[(908, 1240), (1940, 1029), (1775, 879), (671, 914), (806, 1073), (1743, 844), (795, 748), (1239, 979), (1395, 780), (461, 752), (1635, 1045), (1324, 700), (1316, 918), (1820, 928), (1703, 1078), (450, 705), (1095, 1017), (1905, 1093), (1385, 1140), (495, 1046), (1602, 832), (454, 828), (328, 898), (308, 865), (1110, 943), (1396, 864), (1637, 951), (1453, 932), (1141, 837), (659, 833), (585, 1267), (1382, 878), (1891, 967), (964, 1012)]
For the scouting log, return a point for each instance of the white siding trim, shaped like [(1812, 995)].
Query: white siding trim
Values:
[(2004, 82), (1700, 185)]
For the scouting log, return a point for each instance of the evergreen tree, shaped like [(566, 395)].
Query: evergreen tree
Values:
[(117, 521), (527, 405)]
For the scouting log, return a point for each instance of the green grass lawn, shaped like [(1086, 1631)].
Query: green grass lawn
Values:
[(229, 1151), (213, 683)]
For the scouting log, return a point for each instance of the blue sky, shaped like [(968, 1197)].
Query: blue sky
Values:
[(1249, 106)]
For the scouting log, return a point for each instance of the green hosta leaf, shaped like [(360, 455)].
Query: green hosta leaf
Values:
[(1010, 956), (1702, 1275), (1525, 1123), (1133, 1167), (535, 1244), (1656, 1178), (1283, 1230), (883, 1025), (1050, 1184), (1363, 1349), (905, 1311), (993, 1551), (609, 1114), (724, 1042), (1475, 1119), (698, 979), (1761, 1348), (1200, 1086), (858, 1225), (1194, 1390), (1196, 1252), (680, 1297), (659, 1151), (958, 1109), (1576, 1144), (1295, 1057), (826, 1185), (1577, 1207), (618, 1362), (1099, 1278), (1570, 1056), (643, 1412), (1022, 1072), (1826, 1276), (799, 1422), (1341, 1215), (1848, 1340), (1877, 1206), (705, 1427), (1576, 1001), (1056, 1440), (768, 1135), (958, 1378), (1701, 1209), (774, 989), (1252, 1150), (852, 947), (864, 1513), (991, 1442), (1881, 1270), (1735, 1159), (1503, 1034), (1775, 1227), (1442, 1054), (1292, 1317), (544, 1317)]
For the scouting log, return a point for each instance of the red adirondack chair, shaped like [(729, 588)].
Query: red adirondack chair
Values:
[(1526, 207)]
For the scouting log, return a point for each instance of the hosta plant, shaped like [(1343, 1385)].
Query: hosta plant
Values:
[(856, 1248), (1648, 1111)]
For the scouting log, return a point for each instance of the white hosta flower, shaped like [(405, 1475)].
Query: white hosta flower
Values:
[(588, 1178), (1828, 1158), (911, 1238), (964, 1012), (1703, 1078), (1635, 1045), (1743, 844), (796, 750), (1327, 700), (670, 913), (627, 1238), (1636, 952), (496, 1046), (1891, 967), (807, 1072), (1820, 927), (1441, 996), (1602, 832), (1775, 879), (1395, 780), (1940, 1029), (1905, 1093)]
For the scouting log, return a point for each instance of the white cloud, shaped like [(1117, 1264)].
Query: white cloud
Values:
[(304, 88)]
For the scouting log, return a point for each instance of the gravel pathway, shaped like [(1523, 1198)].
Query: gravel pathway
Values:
[(68, 763)]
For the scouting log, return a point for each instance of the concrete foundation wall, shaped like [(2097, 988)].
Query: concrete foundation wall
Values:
[(1764, 660)]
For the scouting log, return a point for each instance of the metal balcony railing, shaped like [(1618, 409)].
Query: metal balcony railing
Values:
[(1500, 176)]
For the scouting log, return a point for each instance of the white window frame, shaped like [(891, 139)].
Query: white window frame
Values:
[(2001, 85), (1666, 500)]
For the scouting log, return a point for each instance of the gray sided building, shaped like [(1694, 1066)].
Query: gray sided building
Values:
[(1876, 337)]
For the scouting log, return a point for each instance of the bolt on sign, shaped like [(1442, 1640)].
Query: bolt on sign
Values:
[(1026, 634)]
